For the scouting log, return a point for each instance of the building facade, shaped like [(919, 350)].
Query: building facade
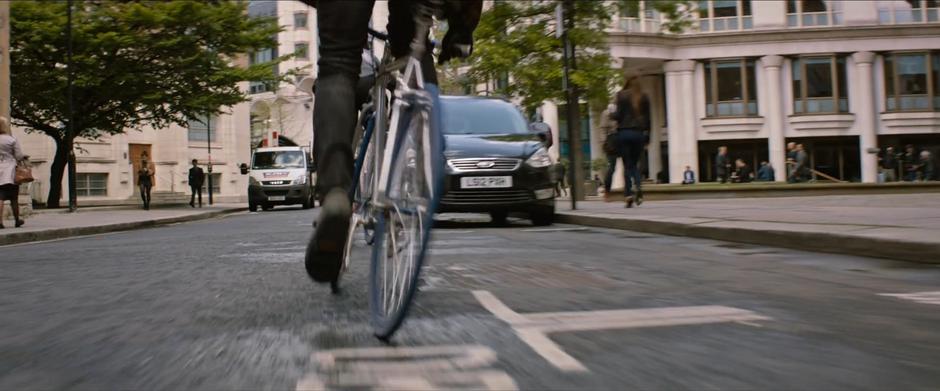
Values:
[(843, 78)]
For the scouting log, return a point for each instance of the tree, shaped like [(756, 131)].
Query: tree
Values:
[(134, 64), (518, 38)]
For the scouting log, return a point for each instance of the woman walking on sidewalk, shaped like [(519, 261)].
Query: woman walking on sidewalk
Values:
[(10, 155), (633, 123)]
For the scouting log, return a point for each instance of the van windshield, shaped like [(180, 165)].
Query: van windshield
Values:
[(278, 160)]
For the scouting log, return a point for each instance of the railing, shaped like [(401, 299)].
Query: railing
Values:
[(814, 19), (640, 25)]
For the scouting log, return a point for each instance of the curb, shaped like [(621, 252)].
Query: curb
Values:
[(808, 241), (62, 233)]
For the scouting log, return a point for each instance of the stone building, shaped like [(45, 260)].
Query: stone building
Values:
[(844, 78)]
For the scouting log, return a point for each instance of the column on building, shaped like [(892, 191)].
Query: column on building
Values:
[(866, 116), (653, 152), (776, 140), (683, 144)]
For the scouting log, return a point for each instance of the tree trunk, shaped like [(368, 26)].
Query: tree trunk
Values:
[(57, 171)]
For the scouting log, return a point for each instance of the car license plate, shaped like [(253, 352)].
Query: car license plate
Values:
[(277, 198), (485, 182)]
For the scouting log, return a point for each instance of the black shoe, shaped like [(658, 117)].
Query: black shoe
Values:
[(324, 256), (19, 223), (193, 205)]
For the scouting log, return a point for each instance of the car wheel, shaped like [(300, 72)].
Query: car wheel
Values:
[(307, 204), (542, 218), (499, 218)]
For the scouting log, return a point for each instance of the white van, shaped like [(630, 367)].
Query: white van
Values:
[(280, 176)]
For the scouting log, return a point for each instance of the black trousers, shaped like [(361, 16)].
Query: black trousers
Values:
[(145, 195), (196, 190), (343, 28)]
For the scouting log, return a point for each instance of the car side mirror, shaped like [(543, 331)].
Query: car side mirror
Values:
[(244, 168), (543, 131)]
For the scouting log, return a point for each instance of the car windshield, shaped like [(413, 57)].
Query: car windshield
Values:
[(278, 160), (481, 116)]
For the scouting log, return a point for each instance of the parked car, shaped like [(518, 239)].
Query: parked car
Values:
[(496, 163)]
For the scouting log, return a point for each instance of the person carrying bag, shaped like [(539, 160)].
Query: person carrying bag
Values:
[(13, 172)]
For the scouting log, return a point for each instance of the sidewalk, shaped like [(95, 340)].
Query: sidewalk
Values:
[(48, 225), (896, 226)]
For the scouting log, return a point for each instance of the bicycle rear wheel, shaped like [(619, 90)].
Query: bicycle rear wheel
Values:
[(403, 225)]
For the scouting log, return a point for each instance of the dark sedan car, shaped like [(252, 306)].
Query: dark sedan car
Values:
[(495, 164)]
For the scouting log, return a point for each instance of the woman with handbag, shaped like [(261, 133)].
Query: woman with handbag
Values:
[(10, 156)]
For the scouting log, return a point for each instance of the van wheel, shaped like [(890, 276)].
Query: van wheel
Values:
[(543, 217), (499, 218), (252, 207), (308, 203)]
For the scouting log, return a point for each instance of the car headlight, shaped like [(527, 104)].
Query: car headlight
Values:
[(253, 181), (539, 159), (302, 180)]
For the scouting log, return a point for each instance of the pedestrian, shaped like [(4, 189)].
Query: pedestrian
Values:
[(909, 163), (928, 166), (791, 162), (743, 172), (196, 177), (688, 177), (145, 182), (800, 165), (889, 165), (633, 125), (611, 147), (765, 173), (722, 164), (10, 156)]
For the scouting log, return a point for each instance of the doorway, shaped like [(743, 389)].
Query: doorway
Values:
[(138, 153)]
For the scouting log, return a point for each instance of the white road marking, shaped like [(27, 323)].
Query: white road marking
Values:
[(917, 297), (554, 229), (408, 368), (533, 329)]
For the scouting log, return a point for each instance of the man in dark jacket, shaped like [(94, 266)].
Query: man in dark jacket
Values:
[(765, 173), (889, 165), (196, 177), (722, 164)]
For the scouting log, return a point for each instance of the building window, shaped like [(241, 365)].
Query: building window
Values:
[(911, 81), (819, 85), (198, 131), (261, 57), (216, 183), (300, 20), (810, 13), (640, 17), (724, 15), (730, 88), (302, 51), (908, 11), (91, 185)]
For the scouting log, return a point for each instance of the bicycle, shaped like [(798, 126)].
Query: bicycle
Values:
[(398, 179)]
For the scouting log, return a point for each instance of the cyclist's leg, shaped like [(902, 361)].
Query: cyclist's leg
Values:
[(343, 29), (401, 30)]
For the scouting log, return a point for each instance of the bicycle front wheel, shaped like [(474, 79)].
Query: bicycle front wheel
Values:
[(404, 221)]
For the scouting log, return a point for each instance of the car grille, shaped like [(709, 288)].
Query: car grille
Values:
[(484, 164), (269, 192), (488, 196), (276, 183)]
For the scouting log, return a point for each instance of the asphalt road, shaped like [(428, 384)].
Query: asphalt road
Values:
[(225, 304)]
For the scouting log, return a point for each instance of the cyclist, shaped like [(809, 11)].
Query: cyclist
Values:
[(343, 32)]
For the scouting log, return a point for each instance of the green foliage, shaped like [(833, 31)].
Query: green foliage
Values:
[(134, 64), (518, 38)]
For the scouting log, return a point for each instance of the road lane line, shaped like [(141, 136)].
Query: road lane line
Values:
[(533, 329), (549, 350), (917, 297), (494, 305)]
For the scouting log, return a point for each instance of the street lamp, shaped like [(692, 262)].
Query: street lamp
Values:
[(564, 14), (209, 150), (73, 194)]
